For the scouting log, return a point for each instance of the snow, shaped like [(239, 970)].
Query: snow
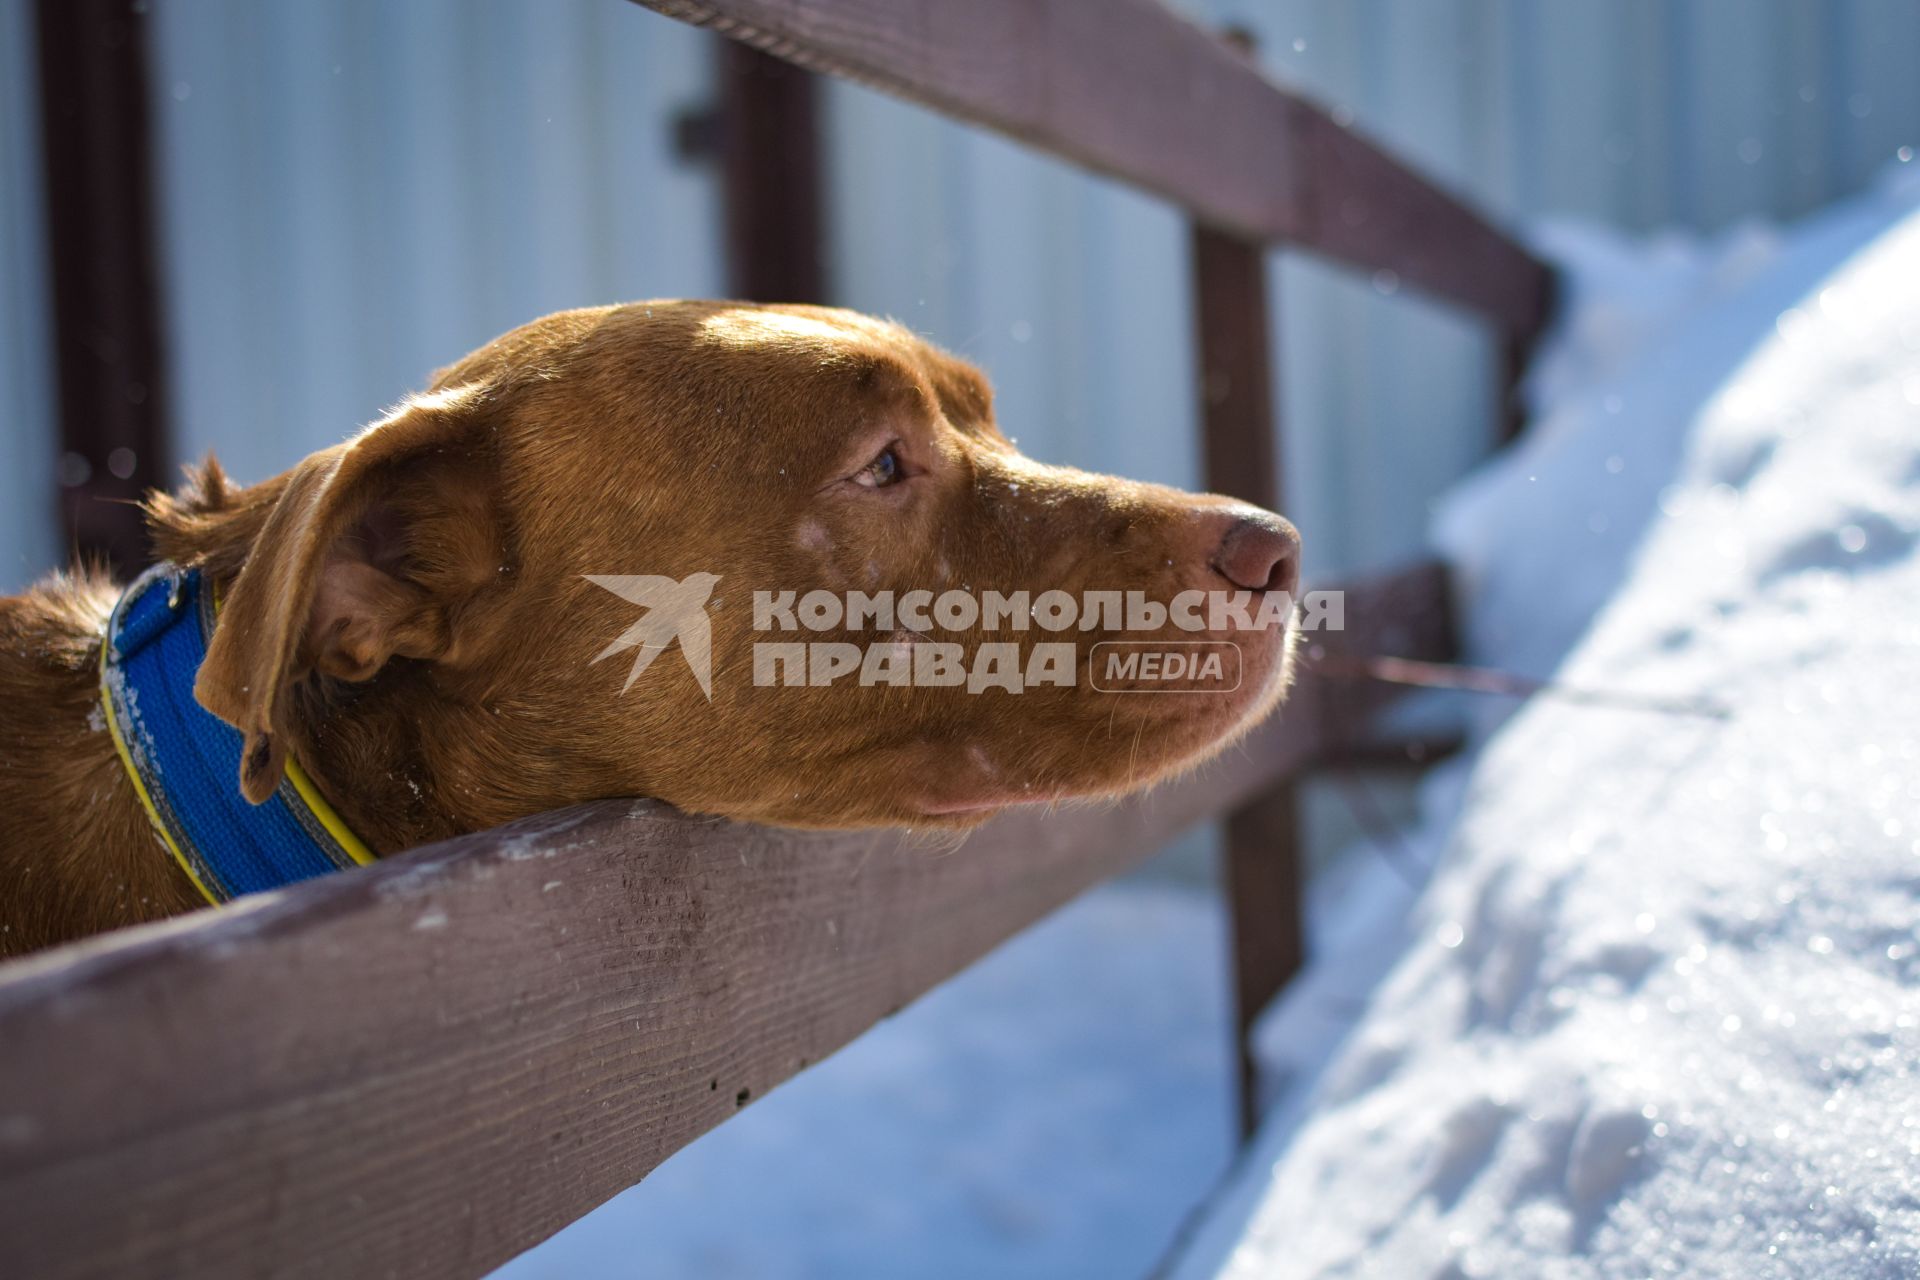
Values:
[(1058, 1110), (1658, 1012)]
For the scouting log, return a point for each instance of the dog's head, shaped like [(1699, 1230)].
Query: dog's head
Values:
[(723, 555)]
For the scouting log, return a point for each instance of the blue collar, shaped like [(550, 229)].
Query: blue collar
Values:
[(185, 761)]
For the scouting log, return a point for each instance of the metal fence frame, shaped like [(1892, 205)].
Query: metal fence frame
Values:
[(426, 1066)]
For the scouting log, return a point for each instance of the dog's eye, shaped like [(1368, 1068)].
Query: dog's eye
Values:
[(881, 472)]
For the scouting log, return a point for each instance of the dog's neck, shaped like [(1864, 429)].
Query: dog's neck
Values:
[(422, 753), (398, 759), (393, 757), (77, 855)]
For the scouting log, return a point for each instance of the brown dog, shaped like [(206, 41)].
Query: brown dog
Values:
[(415, 615)]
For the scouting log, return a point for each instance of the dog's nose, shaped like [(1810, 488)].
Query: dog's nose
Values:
[(1260, 553)]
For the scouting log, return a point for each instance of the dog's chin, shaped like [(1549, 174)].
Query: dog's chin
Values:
[(1187, 729), (1267, 687), (1143, 740)]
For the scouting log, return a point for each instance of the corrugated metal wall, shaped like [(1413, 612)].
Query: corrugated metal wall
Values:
[(356, 192), (27, 543)]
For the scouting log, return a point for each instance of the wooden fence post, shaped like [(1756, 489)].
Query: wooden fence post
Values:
[(769, 145), (109, 359), (1261, 858)]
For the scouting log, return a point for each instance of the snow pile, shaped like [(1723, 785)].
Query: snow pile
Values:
[(1659, 1011)]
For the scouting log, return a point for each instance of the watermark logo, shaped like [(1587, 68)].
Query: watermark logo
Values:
[(907, 650), (675, 610), (1165, 666)]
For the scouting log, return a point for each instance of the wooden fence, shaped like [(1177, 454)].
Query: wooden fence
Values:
[(424, 1067)]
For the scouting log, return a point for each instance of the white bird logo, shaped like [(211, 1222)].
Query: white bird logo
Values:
[(675, 610)]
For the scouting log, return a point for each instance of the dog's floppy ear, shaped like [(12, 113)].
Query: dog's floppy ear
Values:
[(369, 552)]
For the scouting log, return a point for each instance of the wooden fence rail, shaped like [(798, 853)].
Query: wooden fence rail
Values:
[(1131, 89), (423, 1067)]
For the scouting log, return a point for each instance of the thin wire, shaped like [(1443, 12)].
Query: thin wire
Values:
[(1507, 684)]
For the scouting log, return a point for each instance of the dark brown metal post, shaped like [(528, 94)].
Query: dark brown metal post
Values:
[(105, 276), (770, 161), (1261, 871)]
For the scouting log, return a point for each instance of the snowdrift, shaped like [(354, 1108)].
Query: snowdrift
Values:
[(1658, 1011)]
